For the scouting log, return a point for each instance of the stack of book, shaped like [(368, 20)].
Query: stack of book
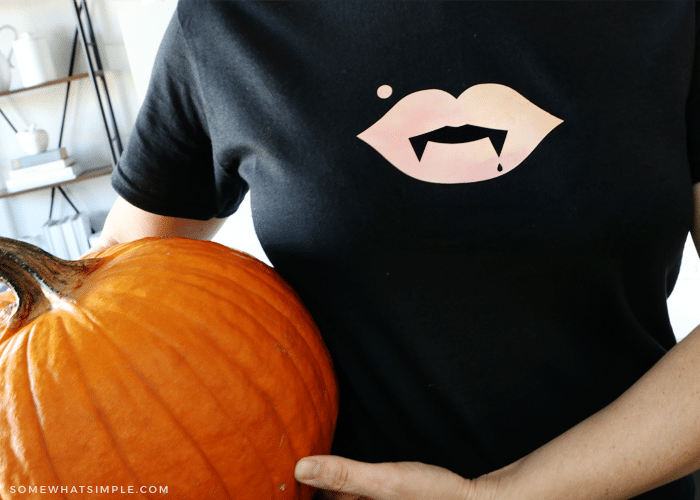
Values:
[(46, 168), (68, 238)]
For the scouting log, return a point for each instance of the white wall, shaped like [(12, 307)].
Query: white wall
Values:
[(684, 303)]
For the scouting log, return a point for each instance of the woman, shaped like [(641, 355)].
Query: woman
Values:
[(483, 205)]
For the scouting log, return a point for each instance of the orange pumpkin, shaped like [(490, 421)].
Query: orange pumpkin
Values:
[(161, 365)]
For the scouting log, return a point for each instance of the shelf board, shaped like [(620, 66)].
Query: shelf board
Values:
[(88, 174), (46, 84)]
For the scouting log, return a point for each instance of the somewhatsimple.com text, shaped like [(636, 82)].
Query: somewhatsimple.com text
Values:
[(89, 489)]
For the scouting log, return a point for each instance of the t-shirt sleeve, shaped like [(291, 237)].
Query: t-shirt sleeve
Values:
[(168, 167), (693, 106)]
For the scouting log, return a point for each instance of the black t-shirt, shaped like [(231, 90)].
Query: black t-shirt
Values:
[(482, 204)]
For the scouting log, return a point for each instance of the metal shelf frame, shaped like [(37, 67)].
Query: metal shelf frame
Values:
[(85, 34), (97, 75)]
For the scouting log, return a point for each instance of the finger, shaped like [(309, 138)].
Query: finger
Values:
[(385, 481), (344, 478)]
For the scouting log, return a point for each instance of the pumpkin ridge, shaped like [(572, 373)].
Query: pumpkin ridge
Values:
[(309, 350), (158, 398), (276, 281), (272, 278), (297, 367), (76, 360), (6, 345), (32, 391), (279, 285), (157, 334), (12, 360), (231, 282), (236, 307)]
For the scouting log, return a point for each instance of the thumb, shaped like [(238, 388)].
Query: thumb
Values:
[(337, 477), (384, 481)]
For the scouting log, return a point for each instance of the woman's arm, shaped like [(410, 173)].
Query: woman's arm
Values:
[(126, 222)]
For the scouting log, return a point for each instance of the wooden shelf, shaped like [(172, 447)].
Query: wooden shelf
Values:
[(88, 174), (46, 84)]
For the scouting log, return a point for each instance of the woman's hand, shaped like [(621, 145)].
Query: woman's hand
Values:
[(345, 479)]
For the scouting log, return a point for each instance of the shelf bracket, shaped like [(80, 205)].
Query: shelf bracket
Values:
[(53, 199), (96, 71), (70, 73), (8, 121)]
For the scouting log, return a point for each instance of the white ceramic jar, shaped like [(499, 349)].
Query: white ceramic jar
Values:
[(34, 60)]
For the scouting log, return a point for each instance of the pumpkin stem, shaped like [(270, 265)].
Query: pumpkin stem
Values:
[(37, 277)]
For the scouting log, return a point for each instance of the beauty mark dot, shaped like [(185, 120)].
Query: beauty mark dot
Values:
[(384, 91)]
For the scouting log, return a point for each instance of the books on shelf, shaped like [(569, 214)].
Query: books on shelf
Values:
[(68, 237), (43, 169), (39, 159), (52, 172)]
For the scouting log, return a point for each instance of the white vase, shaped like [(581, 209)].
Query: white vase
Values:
[(33, 141), (34, 60)]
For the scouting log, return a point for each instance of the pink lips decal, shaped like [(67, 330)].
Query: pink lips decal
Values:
[(485, 132)]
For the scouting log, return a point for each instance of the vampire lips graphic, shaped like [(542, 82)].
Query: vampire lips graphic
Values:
[(485, 132)]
